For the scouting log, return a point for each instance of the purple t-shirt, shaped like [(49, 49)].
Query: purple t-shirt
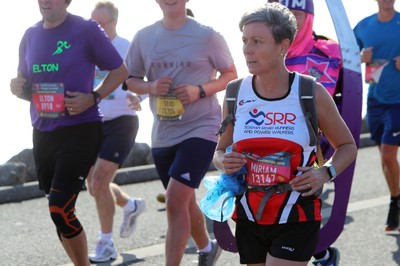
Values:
[(63, 59)]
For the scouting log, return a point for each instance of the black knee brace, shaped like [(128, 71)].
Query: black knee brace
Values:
[(62, 212)]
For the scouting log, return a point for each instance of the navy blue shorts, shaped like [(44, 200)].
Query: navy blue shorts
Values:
[(186, 162), (292, 241), (64, 157), (119, 136), (383, 122)]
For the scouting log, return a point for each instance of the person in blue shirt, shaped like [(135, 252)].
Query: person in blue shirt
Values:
[(378, 38)]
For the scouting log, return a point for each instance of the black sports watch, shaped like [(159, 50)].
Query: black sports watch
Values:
[(96, 97), (331, 172), (202, 92)]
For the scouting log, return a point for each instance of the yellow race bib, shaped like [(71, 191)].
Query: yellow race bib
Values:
[(169, 108)]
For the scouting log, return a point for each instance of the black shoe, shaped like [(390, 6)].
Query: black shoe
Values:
[(392, 222)]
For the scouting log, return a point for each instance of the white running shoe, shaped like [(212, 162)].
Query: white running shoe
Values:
[(128, 225), (105, 251)]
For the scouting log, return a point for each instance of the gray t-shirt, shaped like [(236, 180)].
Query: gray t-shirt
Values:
[(190, 55)]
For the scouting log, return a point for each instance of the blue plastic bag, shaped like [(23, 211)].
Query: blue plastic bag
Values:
[(219, 202)]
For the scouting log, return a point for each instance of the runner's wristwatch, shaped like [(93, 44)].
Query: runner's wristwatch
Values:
[(331, 172), (202, 92), (96, 97)]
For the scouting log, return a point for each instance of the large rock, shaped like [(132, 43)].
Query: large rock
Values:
[(140, 154), (26, 157), (12, 173)]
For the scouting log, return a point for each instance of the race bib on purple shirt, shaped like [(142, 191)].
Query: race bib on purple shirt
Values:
[(48, 99)]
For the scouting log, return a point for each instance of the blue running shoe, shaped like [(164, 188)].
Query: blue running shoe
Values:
[(334, 256)]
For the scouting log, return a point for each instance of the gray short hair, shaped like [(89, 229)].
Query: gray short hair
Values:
[(112, 9), (277, 17)]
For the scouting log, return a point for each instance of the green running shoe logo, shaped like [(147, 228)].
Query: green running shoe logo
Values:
[(60, 46)]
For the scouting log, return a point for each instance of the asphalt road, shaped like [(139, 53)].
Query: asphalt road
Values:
[(28, 235)]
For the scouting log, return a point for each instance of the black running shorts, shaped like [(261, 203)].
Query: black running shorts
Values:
[(64, 156), (292, 241)]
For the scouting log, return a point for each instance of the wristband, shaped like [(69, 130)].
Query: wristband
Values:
[(331, 172), (124, 86), (202, 92), (96, 97)]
